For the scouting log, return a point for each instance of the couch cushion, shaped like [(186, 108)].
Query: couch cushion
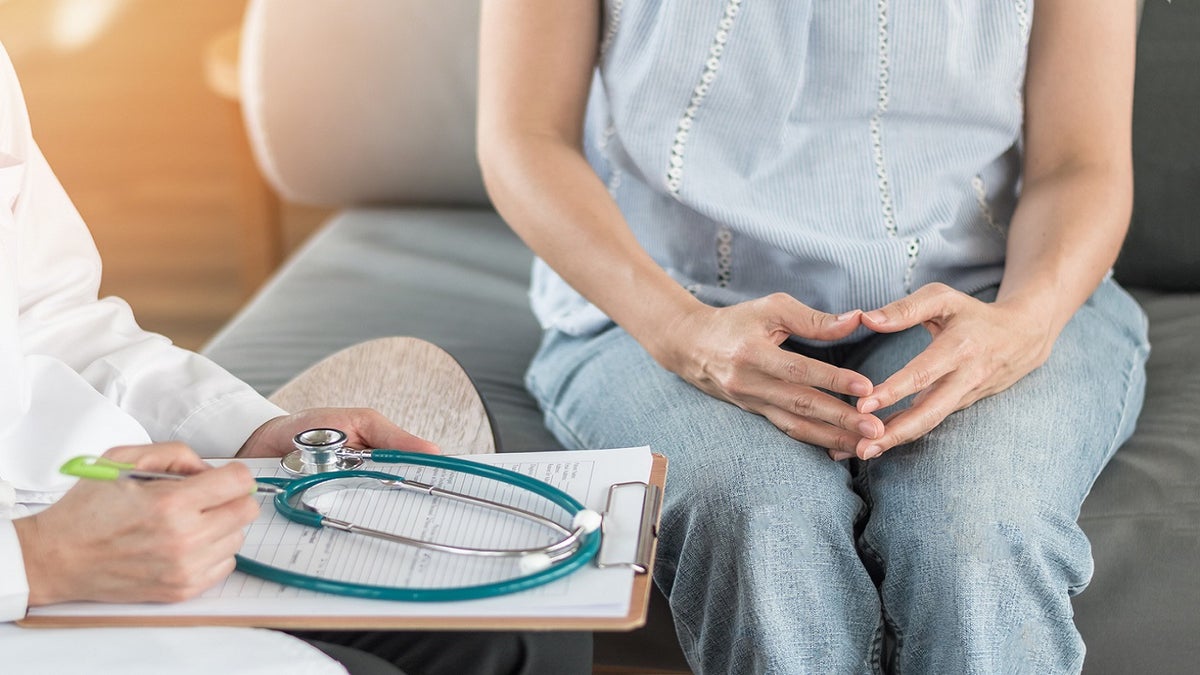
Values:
[(457, 278), (1143, 515), (1163, 247)]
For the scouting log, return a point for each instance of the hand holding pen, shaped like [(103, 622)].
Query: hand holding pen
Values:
[(140, 541), (103, 468)]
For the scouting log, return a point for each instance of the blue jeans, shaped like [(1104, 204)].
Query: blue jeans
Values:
[(959, 552)]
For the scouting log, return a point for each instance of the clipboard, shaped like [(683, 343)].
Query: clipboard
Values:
[(643, 566)]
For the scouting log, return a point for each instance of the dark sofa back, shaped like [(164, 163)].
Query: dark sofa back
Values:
[(1162, 250)]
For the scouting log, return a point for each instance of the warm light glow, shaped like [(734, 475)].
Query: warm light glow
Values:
[(76, 23)]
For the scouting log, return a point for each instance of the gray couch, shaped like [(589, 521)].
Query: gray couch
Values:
[(382, 126)]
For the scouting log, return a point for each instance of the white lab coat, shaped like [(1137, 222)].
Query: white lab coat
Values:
[(78, 376)]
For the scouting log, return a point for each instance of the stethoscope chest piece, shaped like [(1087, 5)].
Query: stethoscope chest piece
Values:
[(319, 451)]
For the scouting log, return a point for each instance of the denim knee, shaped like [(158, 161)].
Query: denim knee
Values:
[(976, 582)]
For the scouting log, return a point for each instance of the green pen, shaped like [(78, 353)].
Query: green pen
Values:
[(100, 468)]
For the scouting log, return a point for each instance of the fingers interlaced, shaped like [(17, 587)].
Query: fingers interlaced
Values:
[(811, 431), (801, 370), (803, 321), (926, 413), (922, 372), (931, 301)]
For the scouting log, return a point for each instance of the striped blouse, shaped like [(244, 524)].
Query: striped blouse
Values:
[(845, 153)]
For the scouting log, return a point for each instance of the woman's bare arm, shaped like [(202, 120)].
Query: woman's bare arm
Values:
[(1070, 221), (536, 64), (1077, 189)]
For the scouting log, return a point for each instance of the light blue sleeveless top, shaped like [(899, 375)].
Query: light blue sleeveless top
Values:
[(843, 152)]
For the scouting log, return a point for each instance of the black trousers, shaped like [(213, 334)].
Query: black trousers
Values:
[(456, 653)]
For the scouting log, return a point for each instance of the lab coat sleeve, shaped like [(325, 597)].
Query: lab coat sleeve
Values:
[(173, 393), (14, 588)]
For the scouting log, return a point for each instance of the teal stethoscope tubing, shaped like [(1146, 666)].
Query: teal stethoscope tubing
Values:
[(589, 542)]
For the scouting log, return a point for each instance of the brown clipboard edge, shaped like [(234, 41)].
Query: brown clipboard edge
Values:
[(636, 618)]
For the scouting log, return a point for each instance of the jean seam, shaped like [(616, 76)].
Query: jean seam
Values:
[(681, 624), (886, 622), (896, 649), (1140, 355), (1141, 352), (865, 548)]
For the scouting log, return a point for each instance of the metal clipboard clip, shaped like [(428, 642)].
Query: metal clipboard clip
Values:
[(647, 533)]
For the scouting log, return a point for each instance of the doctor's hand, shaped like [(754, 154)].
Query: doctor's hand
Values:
[(139, 541), (978, 349), (364, 428), (734, 354)]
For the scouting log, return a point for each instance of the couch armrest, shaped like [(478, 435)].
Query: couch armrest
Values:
[(364, 102)]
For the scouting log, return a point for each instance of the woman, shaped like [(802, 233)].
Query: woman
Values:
[(847, 266)]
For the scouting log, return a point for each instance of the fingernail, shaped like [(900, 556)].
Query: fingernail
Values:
[(868, 405), (876, 317), (839, 455), (872, 452), (866, 429), (847, 316), (860, 388)]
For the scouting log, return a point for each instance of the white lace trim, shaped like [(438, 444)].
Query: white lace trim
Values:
[(614, 182), (981, 197), (1023, 24), (614, 21), (1023, 20), (724, 257), (885, 188), (715, 51), (614, 172), (913, 248)]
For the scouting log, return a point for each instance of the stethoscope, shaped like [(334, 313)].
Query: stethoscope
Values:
[(323, 465)]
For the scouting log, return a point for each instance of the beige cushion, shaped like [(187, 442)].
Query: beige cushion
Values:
[(365, 102)]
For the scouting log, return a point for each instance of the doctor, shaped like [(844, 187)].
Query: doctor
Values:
[(80, 377)]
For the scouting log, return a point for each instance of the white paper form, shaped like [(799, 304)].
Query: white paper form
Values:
[(328, 553)]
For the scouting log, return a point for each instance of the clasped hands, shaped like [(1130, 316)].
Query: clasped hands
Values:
[(977, 349)]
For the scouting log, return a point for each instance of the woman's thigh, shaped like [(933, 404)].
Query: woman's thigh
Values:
[(606, 391), (757, 536), (984, 507), (1040, 443)]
